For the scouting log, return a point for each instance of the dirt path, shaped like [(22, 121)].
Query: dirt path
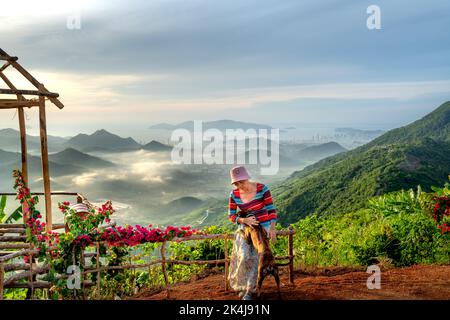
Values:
[(417, 282)]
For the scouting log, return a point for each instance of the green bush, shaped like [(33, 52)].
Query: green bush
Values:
[(396, 226)]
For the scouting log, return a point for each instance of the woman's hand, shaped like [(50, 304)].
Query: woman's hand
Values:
[(250, 221), (272, 234)]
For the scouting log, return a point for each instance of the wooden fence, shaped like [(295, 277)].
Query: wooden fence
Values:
[(30, 270)]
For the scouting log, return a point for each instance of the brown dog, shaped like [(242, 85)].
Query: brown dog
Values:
[(257, 236)]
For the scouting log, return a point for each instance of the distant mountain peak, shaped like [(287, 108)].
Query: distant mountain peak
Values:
[(9, 130), (102, 132), (214, 124), (70, 150), (71, 155), (156, 146), (104, 140)]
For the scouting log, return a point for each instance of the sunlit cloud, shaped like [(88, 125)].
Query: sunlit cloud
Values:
[(85, 179), (248, 98), (82, 90)]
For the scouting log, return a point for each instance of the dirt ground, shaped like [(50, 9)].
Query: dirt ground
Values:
[(416, 282)]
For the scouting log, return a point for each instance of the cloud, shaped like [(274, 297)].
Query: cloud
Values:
[(247, 98), (152, 61), (85, 90)]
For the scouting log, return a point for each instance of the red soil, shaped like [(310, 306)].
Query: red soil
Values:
[(416, 282)]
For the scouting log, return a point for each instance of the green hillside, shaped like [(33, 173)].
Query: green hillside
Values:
[(417, 154)]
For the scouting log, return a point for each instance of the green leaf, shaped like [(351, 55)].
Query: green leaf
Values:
[(2, 204), (2, 207), (15, 216)]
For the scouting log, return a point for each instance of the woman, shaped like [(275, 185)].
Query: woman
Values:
[(251, 198)]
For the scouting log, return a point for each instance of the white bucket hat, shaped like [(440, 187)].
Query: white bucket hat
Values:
[(80, 208)]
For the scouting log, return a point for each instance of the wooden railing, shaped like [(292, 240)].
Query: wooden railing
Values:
[(31, 271)]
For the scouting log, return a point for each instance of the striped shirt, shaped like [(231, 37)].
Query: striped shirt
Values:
[(261, 205)]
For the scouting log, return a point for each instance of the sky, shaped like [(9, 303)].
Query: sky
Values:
[(124, 65)]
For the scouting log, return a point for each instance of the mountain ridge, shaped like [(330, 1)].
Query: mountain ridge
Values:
[(402, 158)]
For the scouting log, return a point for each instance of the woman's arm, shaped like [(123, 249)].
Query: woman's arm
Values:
[(270, 207), (232, 209)]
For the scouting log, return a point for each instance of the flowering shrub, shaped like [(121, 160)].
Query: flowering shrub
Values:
[(132, 236), (62, 250), (441, 210), (35, 228), (441, 207), (120, 236)]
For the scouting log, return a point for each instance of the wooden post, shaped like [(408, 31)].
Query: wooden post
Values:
[(45, 167), (163, 265), (74, 263), (225, 248), (82, 265), (23, 145), (98, 270), (31, 279), (2, 280), (291, 255)]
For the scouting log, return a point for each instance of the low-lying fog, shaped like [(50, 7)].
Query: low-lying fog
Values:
[(142, 182)]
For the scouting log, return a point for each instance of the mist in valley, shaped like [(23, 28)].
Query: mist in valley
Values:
[(147, 186)]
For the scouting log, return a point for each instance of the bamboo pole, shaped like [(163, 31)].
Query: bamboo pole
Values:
[(56, 193), (225, 248), (52, 95), (126, 266), (22, 253), (196, 261), (45, 166), (12, 225), (291, 255), (2, 280), (82, 264), (31, 280), (23, 141), (163, 266), (12, 238), (26, 274), (28, 285), (8, 58), (73, 263), (38, 285), (12, 230), (98, 268), (16, 254), (23, 145), (17, 104), (6, 65), (16, 266), (41, 88), (24, 160), (203, 237)]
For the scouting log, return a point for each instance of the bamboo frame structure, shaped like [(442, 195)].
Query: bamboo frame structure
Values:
[(20, 103)]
